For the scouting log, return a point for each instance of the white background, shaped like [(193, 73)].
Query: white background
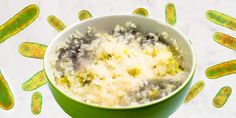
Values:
[(191, 21)]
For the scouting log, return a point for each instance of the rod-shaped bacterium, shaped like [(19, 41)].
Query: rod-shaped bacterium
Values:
[(222, 69), (225, 40), (56, 23), (6, 97), (36, 103), (222, 96), (170, 14), (84, 14), (32, 50), (141, 11), (35, 82), (18, 22), (194, 91), (221, 19)]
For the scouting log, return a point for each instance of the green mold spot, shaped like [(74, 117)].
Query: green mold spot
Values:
[(56, 23), (84, 14), (222, 96), (221, 19), (194, 91), (170, 14), (18, 22), (32, 50), (35, 82), (36, 103), (6, 97), (141, 11), (225, 40), (221, 69)]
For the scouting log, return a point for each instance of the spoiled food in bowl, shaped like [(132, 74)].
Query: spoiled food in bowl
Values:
[(123, 67)]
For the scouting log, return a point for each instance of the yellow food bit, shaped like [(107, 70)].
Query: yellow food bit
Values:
[(116, 56), (153, 52), (145, 52), (108, 66), (161, 73), (126, 51), (115, 75), (104, 56), (154, 94), (85, 77), (80, 76), (90, 76), (102, 78), (133, 71), (173, 66), (63, 81)]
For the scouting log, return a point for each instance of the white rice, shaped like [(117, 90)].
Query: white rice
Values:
[(122, 68)]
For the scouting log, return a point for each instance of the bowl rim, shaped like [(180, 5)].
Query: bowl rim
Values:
[(71, 27)]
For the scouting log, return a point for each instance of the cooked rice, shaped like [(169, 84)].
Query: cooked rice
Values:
[(121, 68)]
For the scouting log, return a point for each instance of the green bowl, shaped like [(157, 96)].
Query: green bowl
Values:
[(160, 108)]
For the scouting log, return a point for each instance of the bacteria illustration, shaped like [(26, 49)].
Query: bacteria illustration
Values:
[(32, 50), (222, 69), (35, 81), (141, 11), (35, 50), (221, 19), (56, 23), (84, 14), (36, 103), (6, 98), (170, 14), (222, 96), (225, 40), (18, 22), (194, 91)]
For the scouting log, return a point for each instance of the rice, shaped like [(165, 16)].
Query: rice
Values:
[(120, 68)]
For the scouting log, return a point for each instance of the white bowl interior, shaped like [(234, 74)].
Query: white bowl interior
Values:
[(107, 23)]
